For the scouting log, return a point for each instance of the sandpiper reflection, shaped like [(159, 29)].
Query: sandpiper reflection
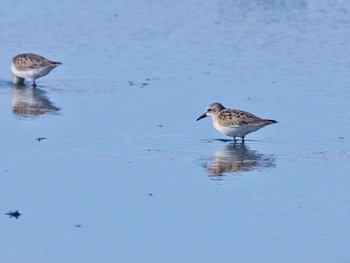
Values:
[(30, 102), (235, 158)]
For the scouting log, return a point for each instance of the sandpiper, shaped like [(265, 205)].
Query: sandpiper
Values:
[(234, 123), (30, 66)]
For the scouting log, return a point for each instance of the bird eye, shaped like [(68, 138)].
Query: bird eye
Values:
[(208, 110)]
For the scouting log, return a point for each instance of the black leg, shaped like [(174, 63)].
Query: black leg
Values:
[(234, 139), (242, 139)]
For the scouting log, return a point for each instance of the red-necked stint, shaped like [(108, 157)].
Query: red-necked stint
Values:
[(234, 123), (30, 66)]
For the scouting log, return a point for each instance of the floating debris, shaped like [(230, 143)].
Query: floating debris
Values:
[(77, 226), (40, 139), (14, 214), (141, 85)]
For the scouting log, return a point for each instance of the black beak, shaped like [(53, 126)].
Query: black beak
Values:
[(202, 116)]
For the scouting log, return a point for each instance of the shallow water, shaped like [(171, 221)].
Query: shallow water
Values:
[(106, 163)]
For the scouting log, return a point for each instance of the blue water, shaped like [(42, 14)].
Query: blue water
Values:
[(122, 171)]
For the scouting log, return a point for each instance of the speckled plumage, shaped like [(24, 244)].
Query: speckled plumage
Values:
[(233, 122), (30, 66)]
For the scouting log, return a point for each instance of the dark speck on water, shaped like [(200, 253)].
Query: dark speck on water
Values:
[(14, 214), (40, 139), (141, 85)]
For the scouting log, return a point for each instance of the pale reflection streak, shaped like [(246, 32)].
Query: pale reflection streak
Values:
[(31, 102), (237, 158)]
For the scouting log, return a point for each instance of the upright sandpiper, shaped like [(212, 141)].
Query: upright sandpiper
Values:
[(234, 123), (30, 66)]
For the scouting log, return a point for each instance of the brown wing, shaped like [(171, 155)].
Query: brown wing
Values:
[(25, 61), (232, 117)]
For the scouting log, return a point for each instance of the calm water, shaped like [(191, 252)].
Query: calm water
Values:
[(106, 162)]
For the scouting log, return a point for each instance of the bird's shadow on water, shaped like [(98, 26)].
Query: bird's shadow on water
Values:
[(31, 102), (236, 158)]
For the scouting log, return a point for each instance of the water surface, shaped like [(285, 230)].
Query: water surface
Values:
[(106, 163)]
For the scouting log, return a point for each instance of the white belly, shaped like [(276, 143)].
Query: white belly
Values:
[(238, 131), (31, 74)]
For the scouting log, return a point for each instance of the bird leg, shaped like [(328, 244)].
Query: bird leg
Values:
[(242, 139), (234, 139)]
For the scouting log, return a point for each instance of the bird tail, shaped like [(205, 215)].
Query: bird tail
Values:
[(56, 63), (271, 121)]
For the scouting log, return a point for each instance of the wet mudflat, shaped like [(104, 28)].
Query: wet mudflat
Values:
[(104, 159)]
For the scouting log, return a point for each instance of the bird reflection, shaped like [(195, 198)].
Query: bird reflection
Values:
[(31, 102), (237, 158)]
